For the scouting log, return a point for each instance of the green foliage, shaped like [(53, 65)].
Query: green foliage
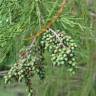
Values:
[(20, 19), (31, 60)]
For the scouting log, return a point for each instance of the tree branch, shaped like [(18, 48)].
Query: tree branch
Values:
[(51, 22)]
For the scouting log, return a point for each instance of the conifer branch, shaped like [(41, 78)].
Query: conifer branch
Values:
[(51, 22), (49, 25)]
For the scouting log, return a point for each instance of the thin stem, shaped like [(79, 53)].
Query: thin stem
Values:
[(55, 34), (10, 17)]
